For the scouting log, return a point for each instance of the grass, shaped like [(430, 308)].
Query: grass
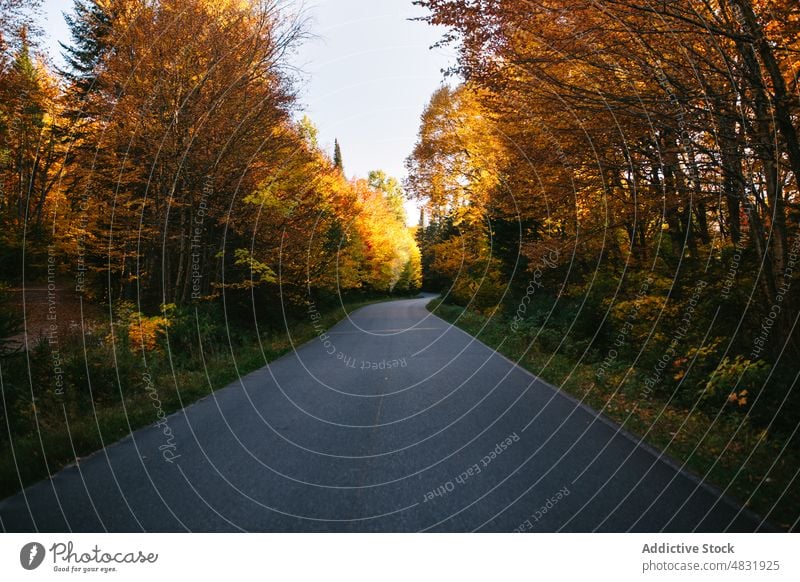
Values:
[(50, 433), (748, 464)]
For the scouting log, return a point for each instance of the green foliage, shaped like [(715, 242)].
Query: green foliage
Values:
[(259, 272), (309, 132), (392, 190), (337, 157), (717, 438), (101, 371), (735, 381), (90, 26), (410, 280), (10, 321)]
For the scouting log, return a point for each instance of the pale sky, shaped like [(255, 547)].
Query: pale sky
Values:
[(369, 72)]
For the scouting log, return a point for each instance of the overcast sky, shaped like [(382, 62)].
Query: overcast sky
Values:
[(369, 71)]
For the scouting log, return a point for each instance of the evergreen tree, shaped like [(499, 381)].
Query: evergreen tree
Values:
[(16, 21), (337, 156), (90, 28)]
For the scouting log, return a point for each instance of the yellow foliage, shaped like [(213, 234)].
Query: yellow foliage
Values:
[(143, 332)]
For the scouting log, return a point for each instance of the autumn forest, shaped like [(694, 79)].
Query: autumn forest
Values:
[(613, 196), (150, 193)]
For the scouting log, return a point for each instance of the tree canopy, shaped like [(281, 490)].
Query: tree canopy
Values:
[(599, 148), (168, 162)]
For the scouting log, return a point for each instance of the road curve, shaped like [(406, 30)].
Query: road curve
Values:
[(393, 420)]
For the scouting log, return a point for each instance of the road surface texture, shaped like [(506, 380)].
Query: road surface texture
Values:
[(391, 421)]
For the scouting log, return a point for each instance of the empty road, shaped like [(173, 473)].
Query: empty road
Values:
[(391, 421)]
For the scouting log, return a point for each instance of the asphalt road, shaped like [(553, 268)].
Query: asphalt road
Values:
[(391, 421)]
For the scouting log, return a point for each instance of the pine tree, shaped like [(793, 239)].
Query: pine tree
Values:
[(90, 28), (337, 156), (16, 19)]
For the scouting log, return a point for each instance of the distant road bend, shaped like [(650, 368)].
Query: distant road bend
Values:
[(391, 421)]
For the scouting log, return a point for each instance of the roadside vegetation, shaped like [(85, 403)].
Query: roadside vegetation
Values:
[(614, 193), (722, 446), (107, 387), (167, 216)]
